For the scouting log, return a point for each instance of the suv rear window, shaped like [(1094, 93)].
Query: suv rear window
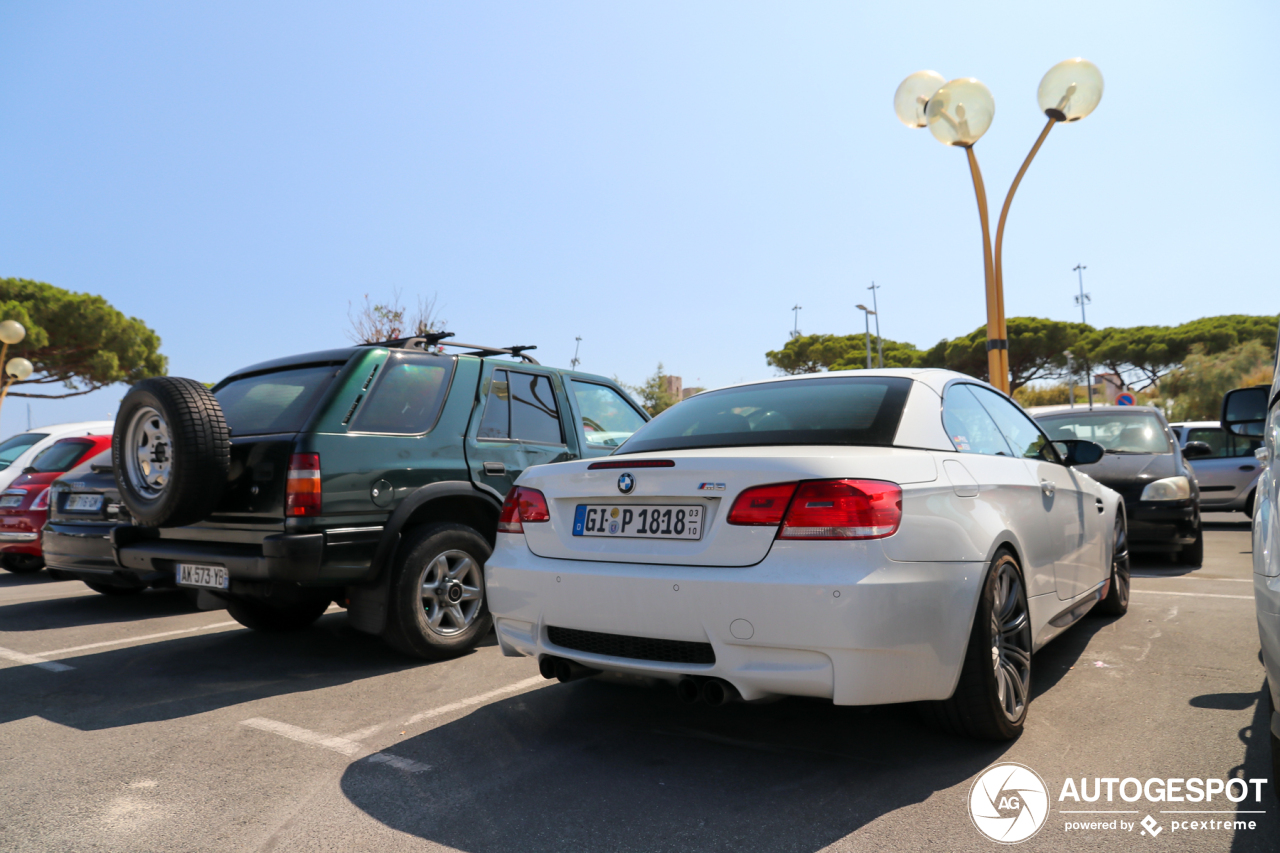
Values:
[(407, 396), (61, 456), (273, 402), (842, 410)]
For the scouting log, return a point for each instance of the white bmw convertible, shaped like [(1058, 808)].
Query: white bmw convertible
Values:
[(867, 536)]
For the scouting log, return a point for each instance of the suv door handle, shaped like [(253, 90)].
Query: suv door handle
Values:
[(1047, 487), (497, 469)]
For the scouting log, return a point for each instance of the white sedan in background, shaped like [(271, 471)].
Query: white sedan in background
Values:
[(868, 537)]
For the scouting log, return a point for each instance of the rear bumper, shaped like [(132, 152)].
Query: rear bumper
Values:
[(292, 557), (838, 621), (20, 532)]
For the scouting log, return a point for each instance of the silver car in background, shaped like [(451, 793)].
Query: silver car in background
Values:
[(1229, 477)]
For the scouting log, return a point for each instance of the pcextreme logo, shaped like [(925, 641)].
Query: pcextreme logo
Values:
[(1008, 803)]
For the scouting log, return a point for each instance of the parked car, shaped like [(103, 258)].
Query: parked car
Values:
[(1228, 478), (372, 476), (1144, 463), (24, 506), (824, 535), (19, 451)]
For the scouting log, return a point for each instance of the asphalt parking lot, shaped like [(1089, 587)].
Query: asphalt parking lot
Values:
[(140, 724)]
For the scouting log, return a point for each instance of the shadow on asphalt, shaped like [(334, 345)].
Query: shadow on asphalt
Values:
[(597, 766), (194, 674), (93, 609), (12, 579), (1256, 765)]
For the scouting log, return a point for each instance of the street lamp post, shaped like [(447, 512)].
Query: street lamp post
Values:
[(879, 340), (573, 362), (866, 313), (1082, 300), (795, 329), (959, 112), (15, 369)]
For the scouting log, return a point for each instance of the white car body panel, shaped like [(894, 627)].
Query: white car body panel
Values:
[(1266, 555), (53, 434), (857, 621)]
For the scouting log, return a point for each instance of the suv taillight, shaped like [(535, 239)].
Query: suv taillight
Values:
[(843, 509), (302, 492), (522, 505)]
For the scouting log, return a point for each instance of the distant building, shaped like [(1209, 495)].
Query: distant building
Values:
[(689, 392), (1110, 385), (674, 386)]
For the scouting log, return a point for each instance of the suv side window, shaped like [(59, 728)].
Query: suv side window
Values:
[(521, 406), (406, 397), (970, 427), (1019, 430), (607, 419)]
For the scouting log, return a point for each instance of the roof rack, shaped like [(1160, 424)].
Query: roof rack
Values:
[(437, 339)]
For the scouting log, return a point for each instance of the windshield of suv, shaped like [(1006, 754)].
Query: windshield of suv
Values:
[(61, 456), (14, 447), (273, 402), (836, 410), (1117, 432)]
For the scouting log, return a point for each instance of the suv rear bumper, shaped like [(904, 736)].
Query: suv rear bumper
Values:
[(292, 557)]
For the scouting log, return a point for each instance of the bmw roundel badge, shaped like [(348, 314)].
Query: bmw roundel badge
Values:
[(626, 484)]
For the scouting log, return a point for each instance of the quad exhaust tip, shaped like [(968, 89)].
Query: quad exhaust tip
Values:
[(563, 669), (714, 691)]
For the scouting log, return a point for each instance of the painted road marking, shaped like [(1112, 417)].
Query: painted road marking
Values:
[(475, 700), (1190, 578), (342, 745), (122, 640), (1194, 594), (33, 660)]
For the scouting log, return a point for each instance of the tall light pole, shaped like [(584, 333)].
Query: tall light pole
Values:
[(15, 369), (958, 113), (1082, 300), (795, 331), (879, 340), (573, 362), (866, 313)]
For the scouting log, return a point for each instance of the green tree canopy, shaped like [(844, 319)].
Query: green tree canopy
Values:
[(1037, 350), (1197, 388), (815, 353), (652, 394), (76, 340)]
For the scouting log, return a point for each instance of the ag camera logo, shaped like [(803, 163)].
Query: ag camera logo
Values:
[(1008, 803)]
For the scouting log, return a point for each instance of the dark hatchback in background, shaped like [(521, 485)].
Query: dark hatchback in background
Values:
[(1144, 462)]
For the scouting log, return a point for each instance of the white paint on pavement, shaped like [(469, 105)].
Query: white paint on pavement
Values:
[(123, 640), (475, 700), (1193, 594), (397, 762), (33, 660), (348, 748)]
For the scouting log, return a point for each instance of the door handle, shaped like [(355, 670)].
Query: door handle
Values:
[(496, 469), (1101, 506), (1246, 467), (1047, 487)]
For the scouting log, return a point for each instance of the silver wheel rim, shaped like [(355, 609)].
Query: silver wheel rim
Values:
[(148, 452), (452, 592), (1120, 563), (1011, 642)]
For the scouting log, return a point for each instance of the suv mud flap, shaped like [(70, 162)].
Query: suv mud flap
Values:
[(367, 605)]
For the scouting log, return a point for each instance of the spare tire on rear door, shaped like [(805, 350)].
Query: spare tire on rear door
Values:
[(172, 451)]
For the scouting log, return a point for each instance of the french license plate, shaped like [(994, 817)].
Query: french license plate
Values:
[(191, 574), (10, 500), (639, 522), (84, 503)]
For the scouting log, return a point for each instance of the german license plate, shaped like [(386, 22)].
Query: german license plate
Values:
[(84, 503), (639, 522), (11, 500), (192, 574)]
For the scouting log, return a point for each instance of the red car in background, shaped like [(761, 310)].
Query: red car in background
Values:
[(24, 506)]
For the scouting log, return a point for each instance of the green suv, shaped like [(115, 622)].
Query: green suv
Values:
[(372, 476)]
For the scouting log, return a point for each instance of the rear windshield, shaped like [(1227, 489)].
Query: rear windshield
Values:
[(14, 447), (843, 410), (1117, 432), (273, 402), (61, 456)]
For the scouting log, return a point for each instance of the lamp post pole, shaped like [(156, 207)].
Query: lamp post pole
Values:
[(866, 314), (573, 362), (15, 369), (958, 113), (795, 330), (1082, 300), (879, 340)]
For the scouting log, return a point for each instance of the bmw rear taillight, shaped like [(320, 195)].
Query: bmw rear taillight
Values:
[(522, 506), (843, 509), (302, 492), (762, 505), (41, 501)]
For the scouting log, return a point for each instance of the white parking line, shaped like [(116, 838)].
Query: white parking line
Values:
[(342, 745), (33, 660), (122, 640), (475, 700), (1194, 594), (1189, 578)]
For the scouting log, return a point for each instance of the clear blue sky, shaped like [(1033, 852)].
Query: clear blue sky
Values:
[(664, 179)]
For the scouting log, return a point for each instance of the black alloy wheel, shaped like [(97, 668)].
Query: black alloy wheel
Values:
[(1117, 601)]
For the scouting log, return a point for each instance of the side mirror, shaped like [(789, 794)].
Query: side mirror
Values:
[(1196, 450), (1077, 451), (1244, 410), (30, 469)]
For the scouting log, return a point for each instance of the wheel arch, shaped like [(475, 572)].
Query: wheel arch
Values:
[(449, 500)]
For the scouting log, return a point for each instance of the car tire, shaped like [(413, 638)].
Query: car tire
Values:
[(438, 608), (112, 589), (1193, 554), (276, 618), (172, 450), (1117, 601), (994, 691), (22, 564)]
